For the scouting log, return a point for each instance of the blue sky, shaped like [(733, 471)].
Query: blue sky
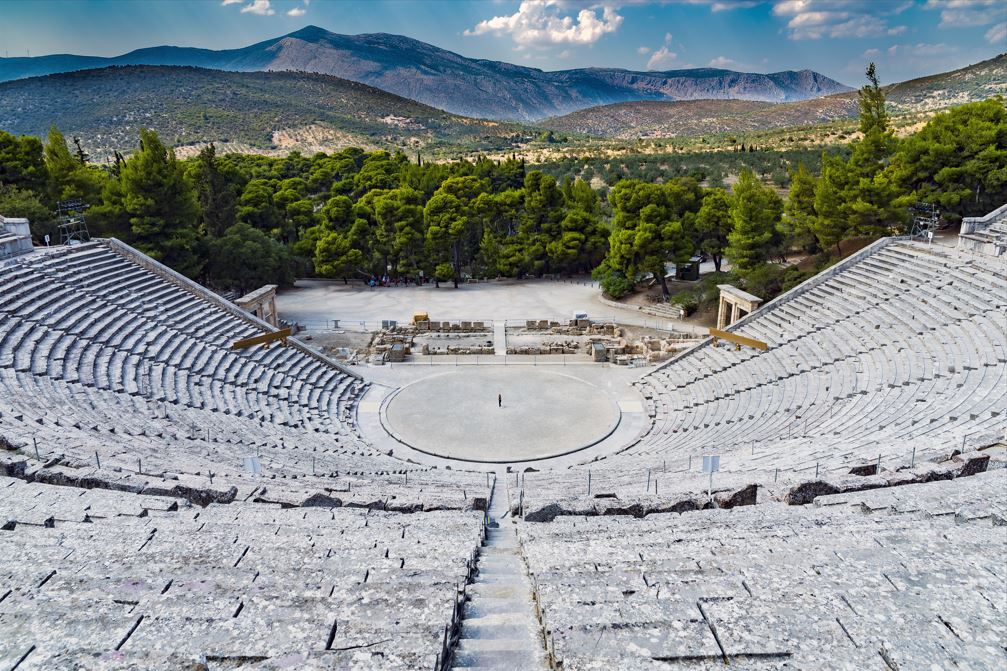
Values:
[(907, 38)]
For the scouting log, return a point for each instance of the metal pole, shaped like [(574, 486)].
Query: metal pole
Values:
[(816, 470), (97, 460), (589, 482), (709, 487), (35, 441), (648, 479), (877, 469), (690, 462), (912, 459), (776, 475)]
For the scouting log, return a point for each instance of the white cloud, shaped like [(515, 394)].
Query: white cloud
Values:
[(259, 7), (231, 2), (921, 57), (921, 50), (997, 35), (296, 11), (722, 62), (967, 13), (815, 19), (539, 22), (662, 59), (726, 63), (643, 51), (727, 5)]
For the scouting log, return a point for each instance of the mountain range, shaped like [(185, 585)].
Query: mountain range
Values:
[(247, 112), (451, 82), (654, 119)]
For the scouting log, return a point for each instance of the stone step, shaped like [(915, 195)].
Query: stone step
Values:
[(498, 555), (503, 660), (500, 543), (487, 606), (519, 644), (496, 573), (510, 553), (515, 579), (516, 591), (496, 632)]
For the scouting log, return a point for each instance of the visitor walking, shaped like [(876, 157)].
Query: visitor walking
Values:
[(499, 400)]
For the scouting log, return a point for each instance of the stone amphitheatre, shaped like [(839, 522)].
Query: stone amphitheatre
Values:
[(169, 501)]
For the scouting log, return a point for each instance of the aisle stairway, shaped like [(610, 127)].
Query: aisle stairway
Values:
[(499, 626), (500, 337)]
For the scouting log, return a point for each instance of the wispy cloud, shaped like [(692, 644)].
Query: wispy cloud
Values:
[(296, 11), (728, 5), (967, 13), (542, 23), (997, 35), (815, 19), (258, 7), (664, 57)]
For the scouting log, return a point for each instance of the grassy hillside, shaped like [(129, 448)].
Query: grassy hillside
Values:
[(656, 119), (263, 112)]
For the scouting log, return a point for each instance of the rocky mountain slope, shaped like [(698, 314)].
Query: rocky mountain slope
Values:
[(652, 119), (240, 111), (448, 81)]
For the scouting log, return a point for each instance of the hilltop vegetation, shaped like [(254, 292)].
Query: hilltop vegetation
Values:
[(653, 119), (266, 112), (240, 221)]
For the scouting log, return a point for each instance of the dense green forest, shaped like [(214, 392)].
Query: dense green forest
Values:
[(239, 221), (710, 167)]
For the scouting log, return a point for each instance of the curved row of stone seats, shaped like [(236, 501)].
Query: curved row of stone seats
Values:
[(92, 314), (94, 579), (901, 354), (117, 372), (900, 578), (131, 443)]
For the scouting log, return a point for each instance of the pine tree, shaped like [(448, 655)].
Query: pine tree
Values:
[(714, 223), (799, 211), (755, 211), (215, 192), (160, 206), (830, 225)]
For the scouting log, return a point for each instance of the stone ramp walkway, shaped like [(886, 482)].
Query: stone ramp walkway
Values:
[(500, 337), (499, 628)]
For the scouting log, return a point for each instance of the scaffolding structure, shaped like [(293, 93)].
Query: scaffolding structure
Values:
[(926, 218), (72, 224)]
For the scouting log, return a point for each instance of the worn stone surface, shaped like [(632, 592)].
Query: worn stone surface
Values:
[(903, 573)]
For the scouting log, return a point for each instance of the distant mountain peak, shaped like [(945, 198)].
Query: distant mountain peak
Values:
[(310, 32), (444, 79)]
